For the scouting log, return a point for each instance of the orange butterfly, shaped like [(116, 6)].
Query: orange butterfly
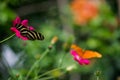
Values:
[(82, 56)]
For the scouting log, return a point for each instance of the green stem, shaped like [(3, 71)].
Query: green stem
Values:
[(97, 78), (49, 72), (61, 60), (36, 63), (9, 79), (46, 78), (7, 38)]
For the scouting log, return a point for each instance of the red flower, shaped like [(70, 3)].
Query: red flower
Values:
[(17, 32), (79, 59)]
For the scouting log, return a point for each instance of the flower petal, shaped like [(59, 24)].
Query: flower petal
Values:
[(76, 57), (81, 62), (18, 33), (24, 23), (23, 38), (74, 53), (13, 29), (31, 28), (86, 61), (20, 36), (16, 21)]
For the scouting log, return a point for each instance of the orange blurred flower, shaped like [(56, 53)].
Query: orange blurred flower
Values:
[(83, 10)]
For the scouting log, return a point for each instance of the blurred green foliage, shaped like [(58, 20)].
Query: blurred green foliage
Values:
[(100, 34)]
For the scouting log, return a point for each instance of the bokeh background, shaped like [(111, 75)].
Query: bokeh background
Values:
[(91, 24)]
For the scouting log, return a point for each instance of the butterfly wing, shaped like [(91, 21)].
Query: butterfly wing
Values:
[(77, 49), (33, 35), (91, 54)]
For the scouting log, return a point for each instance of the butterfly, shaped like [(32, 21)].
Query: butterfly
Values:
[(83, 56), (30, 34)]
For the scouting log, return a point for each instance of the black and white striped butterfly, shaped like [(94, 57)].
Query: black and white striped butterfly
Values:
[(30, 34)]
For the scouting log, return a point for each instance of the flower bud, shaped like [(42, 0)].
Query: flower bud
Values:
[(54, 40)]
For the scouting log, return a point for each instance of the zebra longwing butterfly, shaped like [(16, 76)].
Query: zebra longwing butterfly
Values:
[(30, 34)]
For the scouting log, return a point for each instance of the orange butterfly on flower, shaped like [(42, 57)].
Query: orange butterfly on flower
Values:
[(83, 56)]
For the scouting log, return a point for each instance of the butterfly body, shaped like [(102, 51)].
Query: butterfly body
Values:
[(30, 34)]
